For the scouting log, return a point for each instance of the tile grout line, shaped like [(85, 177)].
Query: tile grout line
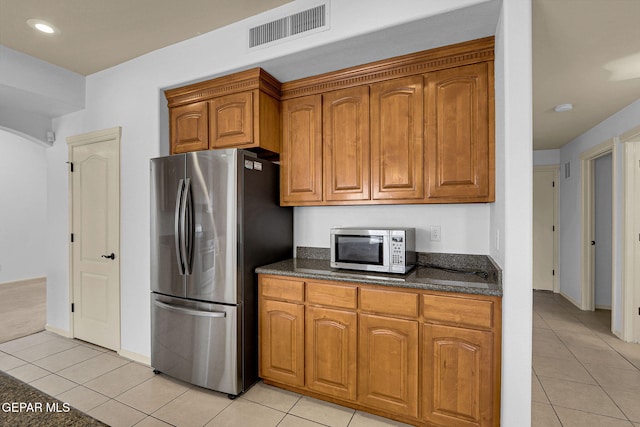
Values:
[(604, 390), (594, 334)]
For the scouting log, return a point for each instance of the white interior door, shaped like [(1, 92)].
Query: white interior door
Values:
[(544, 247), (95, 224), (603, 230)]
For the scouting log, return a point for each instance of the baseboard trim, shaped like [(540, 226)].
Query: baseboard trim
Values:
[(59, 331), (136, 357), (603, 307), (571, 300), (23, 282)]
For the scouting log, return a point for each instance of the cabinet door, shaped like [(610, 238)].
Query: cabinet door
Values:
[(397, 159), (301, 159), (346, 144), (189, 128), (330, 341), (457, 379), (231, 120), (282, 342), (388, 364), (459, 144)]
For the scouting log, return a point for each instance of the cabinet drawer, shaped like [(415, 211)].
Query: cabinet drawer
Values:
[(404, 304), (332, 295), (458, 311), (285, 289)]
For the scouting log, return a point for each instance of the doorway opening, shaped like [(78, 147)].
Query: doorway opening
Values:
[(545, 228), (599, 225)]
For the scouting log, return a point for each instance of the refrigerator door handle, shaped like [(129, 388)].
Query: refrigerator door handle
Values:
[(190, 311), (186, 225), (177, 221)]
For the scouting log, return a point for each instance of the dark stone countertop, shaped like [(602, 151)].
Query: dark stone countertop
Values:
[(421, 277)]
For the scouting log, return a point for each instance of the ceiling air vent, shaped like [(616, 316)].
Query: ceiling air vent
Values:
[(289, 26)]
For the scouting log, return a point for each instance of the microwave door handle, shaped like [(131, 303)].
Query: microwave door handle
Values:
[(177, 227)]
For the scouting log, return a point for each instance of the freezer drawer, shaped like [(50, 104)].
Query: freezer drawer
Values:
[(196, 342)]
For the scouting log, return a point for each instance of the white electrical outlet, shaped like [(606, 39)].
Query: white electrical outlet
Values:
[(435, 233)]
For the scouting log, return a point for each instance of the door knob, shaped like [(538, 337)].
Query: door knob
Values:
[(593, 242), (112, 256)]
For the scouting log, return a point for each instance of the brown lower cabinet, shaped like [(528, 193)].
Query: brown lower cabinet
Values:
[(388, 364), (330, 351), (461, 392), (421, 357)]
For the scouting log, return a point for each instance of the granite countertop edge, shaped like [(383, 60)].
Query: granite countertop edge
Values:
[(288, 268)]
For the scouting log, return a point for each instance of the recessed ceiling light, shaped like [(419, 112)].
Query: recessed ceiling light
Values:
[(42, 26), (561, 108)]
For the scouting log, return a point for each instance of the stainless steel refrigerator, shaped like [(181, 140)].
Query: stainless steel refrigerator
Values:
[(215, 217)]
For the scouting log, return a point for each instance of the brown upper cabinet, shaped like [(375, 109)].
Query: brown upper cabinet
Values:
[(301, 159), (189, 128), (460, 148), (396, 139), (241, 110), (417, 128), (345, 143)]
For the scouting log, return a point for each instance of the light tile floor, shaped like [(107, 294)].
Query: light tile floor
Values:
[(582, 374), (124, 393)]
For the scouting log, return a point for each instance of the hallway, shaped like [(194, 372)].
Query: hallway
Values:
[(582, 374)]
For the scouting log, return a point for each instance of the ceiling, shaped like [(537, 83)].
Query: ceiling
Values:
[(98, 34), (576, 44)]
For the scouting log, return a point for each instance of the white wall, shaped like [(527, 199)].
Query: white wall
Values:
[(23, 208), (465, 228), (546, 157), (130, 95), (511, 215), (570, 220), (33, 91)]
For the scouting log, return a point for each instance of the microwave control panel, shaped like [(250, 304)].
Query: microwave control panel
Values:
[(397, 250)]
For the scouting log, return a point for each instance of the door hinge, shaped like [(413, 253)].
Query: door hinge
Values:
[(553, 272), (553, 228), (553, 184), (73, 307), (72, 237), (71, 165)]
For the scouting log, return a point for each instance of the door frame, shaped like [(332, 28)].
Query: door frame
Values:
[(587, 160), (630, 272), (556, 200), (74, 141)]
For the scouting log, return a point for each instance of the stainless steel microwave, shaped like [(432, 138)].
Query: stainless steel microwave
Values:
[(387, 250)]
